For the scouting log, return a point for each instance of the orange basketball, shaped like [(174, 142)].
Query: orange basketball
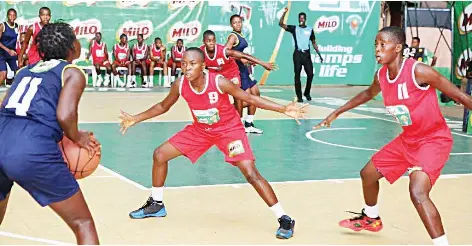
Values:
[(77, 159)]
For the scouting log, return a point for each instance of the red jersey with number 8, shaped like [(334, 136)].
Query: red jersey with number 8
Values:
[(211, 108), (229, 68)]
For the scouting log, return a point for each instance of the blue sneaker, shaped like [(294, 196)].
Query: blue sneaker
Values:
[(150, 209), (286, 228)]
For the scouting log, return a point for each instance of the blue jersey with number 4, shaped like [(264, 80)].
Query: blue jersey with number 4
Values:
[(35, 93)]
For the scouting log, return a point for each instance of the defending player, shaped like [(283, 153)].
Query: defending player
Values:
[(32, 32), (409, 91), (237, 41), (216, 122), (30, 129), (220, 59)]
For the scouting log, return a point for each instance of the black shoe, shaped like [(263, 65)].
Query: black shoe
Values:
[(286, 229), (300, 100), (308, 97), (151, 208)]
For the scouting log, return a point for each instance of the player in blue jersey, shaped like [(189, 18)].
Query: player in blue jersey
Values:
[(237, 41), (38, 109), (8, 37)]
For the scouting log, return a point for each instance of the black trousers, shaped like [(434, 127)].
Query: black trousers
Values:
[(302, 59)]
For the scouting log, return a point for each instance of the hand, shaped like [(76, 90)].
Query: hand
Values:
[(285, 9), (321, 59), (11, 52), (327, 122), (127, 121), (89, 142), (295, 112), (270, 66)]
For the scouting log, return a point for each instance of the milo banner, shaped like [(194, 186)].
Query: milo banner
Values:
[(462, 50), (345, 30)]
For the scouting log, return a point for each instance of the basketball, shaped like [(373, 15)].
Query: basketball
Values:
[(77, 159)]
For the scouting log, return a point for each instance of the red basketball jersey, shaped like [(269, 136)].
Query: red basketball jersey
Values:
[(98, 51), (414, 107), (121, 52), (177, 53), (33, 53), (139, 51), (229, 68), (155, 51), (211, 109)]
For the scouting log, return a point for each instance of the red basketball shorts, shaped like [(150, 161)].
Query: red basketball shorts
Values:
[(33, 56), (156, 64), (193, 142), (177, 64), (395, 158), (118, 63), (101, 62), (232, 76)]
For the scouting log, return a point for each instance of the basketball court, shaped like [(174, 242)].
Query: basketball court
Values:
[(315, 174)]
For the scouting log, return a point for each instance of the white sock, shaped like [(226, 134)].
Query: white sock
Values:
[(145, 78), (151, 79), (278, 210), (172, 78), (157, 193), (249, 118), (371, 212), (442, 240), (133, 78)]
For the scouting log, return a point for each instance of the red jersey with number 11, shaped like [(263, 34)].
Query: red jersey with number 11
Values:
[(414, 107)]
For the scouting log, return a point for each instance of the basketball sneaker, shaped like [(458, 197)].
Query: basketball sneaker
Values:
[(151, 208), (362, 222), (287, 226), (250, 128)]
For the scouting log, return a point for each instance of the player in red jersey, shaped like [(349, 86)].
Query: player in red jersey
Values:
[(32, 32), (157, 58), (140, 55), (216, 122), (122, 52), (220, 59), (99, 52), (176, 55), (19, 43), (422, 149)]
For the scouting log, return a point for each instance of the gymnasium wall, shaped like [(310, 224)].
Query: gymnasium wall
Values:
[(345, 30)]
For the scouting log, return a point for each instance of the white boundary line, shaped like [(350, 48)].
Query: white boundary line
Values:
[(34, 239), (119, 176), (309, 136), (239, 185)]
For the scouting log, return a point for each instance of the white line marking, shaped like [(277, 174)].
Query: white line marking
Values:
[(375, 117), (34, 239), (309, 136), (129, 181), (190, 120), (335, 181)]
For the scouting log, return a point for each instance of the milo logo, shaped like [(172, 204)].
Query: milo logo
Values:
[(87, 28), (465, 20), (462, 63), (132, 29)]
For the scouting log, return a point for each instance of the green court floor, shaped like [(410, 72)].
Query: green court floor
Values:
[(285, 152)]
